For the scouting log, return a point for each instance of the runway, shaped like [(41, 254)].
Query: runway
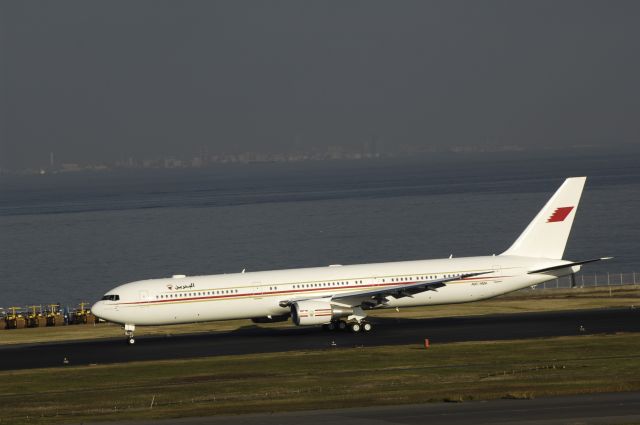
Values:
[(386, 332)]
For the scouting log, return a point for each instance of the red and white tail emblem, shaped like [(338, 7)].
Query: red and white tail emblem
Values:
[(559, 214)]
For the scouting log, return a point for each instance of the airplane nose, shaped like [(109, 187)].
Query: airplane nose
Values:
[(98, 309)]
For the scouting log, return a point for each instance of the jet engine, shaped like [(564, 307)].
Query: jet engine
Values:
[(305, 313)]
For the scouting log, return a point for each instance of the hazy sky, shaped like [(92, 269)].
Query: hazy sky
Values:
[(99, 80)]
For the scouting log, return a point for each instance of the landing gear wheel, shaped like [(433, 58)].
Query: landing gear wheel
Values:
[(131, 340), (331, 326), (342, 325), (366, 327), (355, 327)]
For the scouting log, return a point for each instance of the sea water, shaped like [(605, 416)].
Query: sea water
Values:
[(71, 237)]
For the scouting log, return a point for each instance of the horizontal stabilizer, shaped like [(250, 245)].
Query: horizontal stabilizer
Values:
[(564, 266)]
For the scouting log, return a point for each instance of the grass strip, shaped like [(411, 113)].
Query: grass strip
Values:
[(332, 378)]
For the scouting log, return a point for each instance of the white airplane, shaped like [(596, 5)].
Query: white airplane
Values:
[(339, 296)]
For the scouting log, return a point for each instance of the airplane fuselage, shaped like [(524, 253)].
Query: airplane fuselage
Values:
[(183, 299)]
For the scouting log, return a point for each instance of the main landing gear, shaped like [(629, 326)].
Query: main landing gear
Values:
[(341, 325), (128, 331)]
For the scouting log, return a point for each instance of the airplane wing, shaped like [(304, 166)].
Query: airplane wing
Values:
[(372, 298)]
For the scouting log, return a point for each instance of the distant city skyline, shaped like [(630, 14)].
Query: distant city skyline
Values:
[(98, 82), (370, 151)]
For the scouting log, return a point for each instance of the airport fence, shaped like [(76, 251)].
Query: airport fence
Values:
[(592, 280)]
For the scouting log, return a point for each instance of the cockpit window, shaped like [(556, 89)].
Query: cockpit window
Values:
[(111, 297)]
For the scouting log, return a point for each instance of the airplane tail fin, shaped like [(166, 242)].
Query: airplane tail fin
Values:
[(546, 236)]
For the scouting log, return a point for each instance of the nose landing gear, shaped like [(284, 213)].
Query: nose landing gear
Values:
[(128, 331)]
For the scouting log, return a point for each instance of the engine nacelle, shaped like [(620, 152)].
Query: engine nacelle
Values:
[(305, 313)]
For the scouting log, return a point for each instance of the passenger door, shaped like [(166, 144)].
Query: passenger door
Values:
[(144, 296), (257, 292)]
